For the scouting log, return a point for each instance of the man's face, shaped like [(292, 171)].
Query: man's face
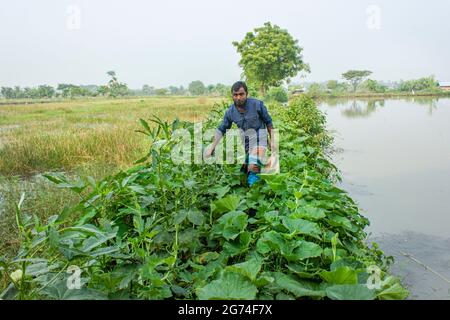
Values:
[(239, 97)]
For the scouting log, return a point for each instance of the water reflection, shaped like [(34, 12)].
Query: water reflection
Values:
[(358, 109), (364, 107), (396, 164)]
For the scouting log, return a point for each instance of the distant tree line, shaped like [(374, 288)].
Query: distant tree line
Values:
[(359, 81), (114, 88), (195, 88)]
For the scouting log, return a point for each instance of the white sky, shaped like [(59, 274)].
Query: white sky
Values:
[(164, 43)]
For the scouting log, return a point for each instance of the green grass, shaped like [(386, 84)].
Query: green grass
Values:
[(63, 136), (42, 198), (92, 137)]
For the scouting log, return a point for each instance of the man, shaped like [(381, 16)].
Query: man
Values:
[(252, 118)]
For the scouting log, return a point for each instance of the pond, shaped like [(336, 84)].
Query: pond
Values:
[(394, 156)]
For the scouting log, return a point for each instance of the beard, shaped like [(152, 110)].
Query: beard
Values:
[(240, 103)]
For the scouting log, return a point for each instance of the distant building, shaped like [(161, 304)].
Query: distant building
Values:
[(393, 85), (444, 86), (297, 91)]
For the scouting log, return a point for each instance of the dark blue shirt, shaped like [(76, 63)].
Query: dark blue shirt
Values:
[(254, 117)]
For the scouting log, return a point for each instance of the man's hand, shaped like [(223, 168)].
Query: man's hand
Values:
[(208, 152)]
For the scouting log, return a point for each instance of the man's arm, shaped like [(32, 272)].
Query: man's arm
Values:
[(221, 131), (267, 119), (265, 116)]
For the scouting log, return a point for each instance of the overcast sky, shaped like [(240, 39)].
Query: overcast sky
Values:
[(164, 43)]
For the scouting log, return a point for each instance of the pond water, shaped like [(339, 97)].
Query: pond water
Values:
[(394, 156)]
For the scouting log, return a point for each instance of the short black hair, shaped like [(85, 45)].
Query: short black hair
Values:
[(240, 84)]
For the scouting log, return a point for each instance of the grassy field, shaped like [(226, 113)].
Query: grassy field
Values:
[(81, 137)]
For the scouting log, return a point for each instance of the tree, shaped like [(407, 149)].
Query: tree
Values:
[(332, 84), (112, 74), (315, 89), (269, 55), (278, 94), (183, 91), (30, 93), (45, 91), (71, 90), (355, 77), (176, 91), (222, 90), (148, 90), (67, 90), (64, 89), (114, 87), (211, 89), (103, 90), (7, 92), (42, 91), (426, 83), (161, 92), (197, 88), (374, 86)]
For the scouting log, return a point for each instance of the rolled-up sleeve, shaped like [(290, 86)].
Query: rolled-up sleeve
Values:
[(226, 123), (265, 116)]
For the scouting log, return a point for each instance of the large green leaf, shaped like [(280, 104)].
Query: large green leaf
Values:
[(276, 182), (104, 251), (272, 217), (392, 290), (299, 288), (342, 275), (231, 224), (126, 273), (230, 286), (93, 242), (87, 229), (329, 253), (347, 262), (180, 216), (238, 246), (309, 212), (273, 241), (60, 291), (395, 292), (195, 217), (300, 226), (40, 267), (306, 249), (249, 268), (220, 190), (61, 180), (227, 204), (339, 221), (350, 292), (302, 271)]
